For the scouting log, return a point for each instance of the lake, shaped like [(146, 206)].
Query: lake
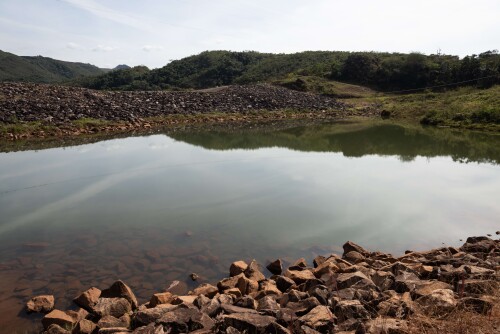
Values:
[(153, 209)]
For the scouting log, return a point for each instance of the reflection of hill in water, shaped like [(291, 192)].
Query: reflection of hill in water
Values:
[(356, 140)]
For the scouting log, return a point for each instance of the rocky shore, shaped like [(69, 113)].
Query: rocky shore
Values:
[(59, 104), (30, 111), (444, 290)]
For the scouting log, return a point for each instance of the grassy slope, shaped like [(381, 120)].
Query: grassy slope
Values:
[(466, 107), (42, 69)]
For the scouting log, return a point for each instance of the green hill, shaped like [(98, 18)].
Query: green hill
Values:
[(43, 69), (376, 70)]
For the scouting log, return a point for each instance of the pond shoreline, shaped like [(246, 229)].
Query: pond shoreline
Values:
[(358, 292)]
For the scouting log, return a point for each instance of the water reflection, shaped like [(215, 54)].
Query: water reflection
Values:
[(153, 209)]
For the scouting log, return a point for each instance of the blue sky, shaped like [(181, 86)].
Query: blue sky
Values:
[(153, 32)]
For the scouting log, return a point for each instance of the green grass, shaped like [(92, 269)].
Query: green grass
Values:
[(324, 86), (466, 107)]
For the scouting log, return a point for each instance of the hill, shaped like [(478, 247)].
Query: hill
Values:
[(43, 69), (376, 70)]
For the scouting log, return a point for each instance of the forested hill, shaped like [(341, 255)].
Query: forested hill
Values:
[(381, 71), (43, 69)]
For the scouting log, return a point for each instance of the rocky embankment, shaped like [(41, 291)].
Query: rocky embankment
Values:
[(358, 292), (60, 104)]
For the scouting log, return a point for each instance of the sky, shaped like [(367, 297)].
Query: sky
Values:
[(154, 32)]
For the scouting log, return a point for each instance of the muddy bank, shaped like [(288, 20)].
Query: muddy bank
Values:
[(358, 292)]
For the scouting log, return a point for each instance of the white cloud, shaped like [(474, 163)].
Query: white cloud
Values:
[(74, 46), (103, 48), (149, 48)]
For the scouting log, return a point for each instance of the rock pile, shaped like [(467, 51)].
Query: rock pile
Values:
[(60, 104), (360, 292)]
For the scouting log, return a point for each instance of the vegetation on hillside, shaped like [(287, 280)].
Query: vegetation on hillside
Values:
[(380, 71), (43, 69)]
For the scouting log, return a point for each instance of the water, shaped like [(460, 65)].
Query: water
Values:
[(153, 209)]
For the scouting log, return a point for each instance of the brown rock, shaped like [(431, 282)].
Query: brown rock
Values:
[(319, 318), (440, 301), (120, 290), (58, 317), (299, 276), (84, 326), (350, 309), (237, 268), (284, 283), (300, 263), (386, 326), (267, 305), (41, 304), (351, 246), (248, 322), (206, 289), (346, 280), (253, 272), (160, 298), (114, 330), (150, 329), (478, 305), (354, 257), (88, 299), (146, 316), (112, 306), (230, 309), (425, 288), (108, 321), (184, 320), (56, 329), (275, 267)]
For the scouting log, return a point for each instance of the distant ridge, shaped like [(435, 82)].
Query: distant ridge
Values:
[(43, 69)]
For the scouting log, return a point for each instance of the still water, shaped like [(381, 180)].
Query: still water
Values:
[(153, 209)]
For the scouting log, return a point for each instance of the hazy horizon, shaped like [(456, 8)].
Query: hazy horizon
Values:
[(153, 32)]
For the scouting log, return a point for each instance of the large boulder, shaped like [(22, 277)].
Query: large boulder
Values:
[(352, 247), (111, 306), (40, 304), (59, 318), (319, 318), (120, 290), (440, 301), (88, 298)]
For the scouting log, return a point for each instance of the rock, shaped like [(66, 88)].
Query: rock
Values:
[(299, 276), (120, 290), (247, 285), (253, 272), (275, 267), (303, 307), (300, 263), (177, 288), (351, 246), (108, 321), (111, 306), (425, 288), (267, 287), (229, 283), (114, 330), (326, 268), (386, 326), (233, 292), (398, 306), (59, 318), (248, 322), (211, 308), (88, 299), (481, 287), (478, 245), (319, 318), (206, 289), (349, 309), (230, 309), (186, 300), (183, 320), (384, 280), (246, 302), (346, 280), (56, 329), (354, 257), (40, 304), (150, 329), (440, 301), (84, 326), (406, 281), (284, 283), (146, 316), (161, 298), (237, 268), (194, 276), (268, 305)]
